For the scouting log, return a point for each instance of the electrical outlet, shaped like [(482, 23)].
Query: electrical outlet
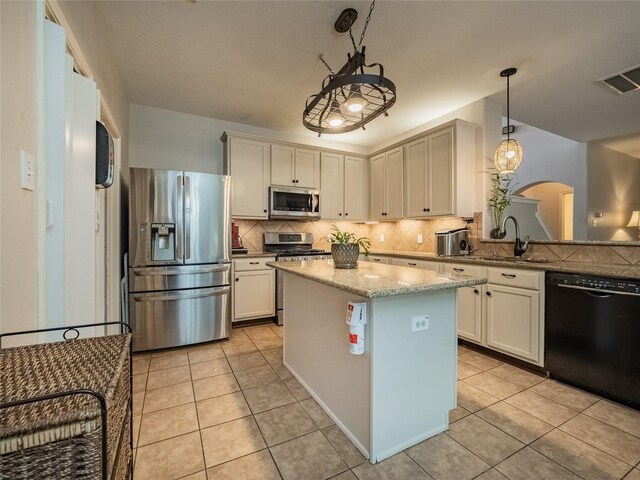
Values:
[(419, 238), (27, 171), (382, 237), (420, 323)]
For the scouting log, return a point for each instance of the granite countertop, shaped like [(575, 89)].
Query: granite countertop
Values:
[(585, 268), (373, 280), (252, 255)]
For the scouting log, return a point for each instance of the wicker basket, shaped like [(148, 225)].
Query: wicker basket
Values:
[(61, 438)]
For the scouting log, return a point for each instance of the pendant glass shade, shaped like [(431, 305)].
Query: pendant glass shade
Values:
[(508, 156)]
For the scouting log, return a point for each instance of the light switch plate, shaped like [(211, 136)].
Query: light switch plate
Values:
[(27, 171), (382, 237), (419, 238)]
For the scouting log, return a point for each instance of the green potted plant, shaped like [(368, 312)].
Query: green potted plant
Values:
[(345, 248), (499, 201)]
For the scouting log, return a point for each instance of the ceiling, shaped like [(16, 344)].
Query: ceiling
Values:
[(256, 62)]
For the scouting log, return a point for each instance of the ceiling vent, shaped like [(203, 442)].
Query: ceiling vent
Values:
[(623, 82)]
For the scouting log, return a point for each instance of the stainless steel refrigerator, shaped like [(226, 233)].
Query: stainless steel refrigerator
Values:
[(179, 258)]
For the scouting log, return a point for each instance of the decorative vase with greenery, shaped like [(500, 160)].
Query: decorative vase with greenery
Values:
[(345, 248), (500, 200)]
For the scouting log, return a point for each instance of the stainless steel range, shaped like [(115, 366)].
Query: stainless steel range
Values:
[(290, 247)]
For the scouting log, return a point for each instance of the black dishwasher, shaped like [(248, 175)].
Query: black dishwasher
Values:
[(592, 334)]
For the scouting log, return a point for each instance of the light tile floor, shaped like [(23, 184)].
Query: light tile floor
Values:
[(230, 410)]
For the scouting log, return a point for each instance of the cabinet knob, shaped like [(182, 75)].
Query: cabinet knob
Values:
[(237, 279), (346, 214), (475, 290), (428, 209), (339, 214), (265, 211), (293, 181), (424, 209), (488, 294)]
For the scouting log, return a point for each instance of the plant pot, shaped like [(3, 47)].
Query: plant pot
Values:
[(345, 255), (496, 234)]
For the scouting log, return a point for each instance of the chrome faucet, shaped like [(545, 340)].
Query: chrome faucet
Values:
[(518, 248)]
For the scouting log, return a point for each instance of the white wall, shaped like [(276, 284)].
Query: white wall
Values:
[(18, 241), (614, 190), (171, 140), (548, 157)]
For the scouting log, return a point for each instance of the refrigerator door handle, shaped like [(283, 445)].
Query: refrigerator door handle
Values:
[(187, 217), (179, 238), (210, 292), (163, 272)]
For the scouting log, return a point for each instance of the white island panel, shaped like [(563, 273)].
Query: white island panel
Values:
[(316, 351)]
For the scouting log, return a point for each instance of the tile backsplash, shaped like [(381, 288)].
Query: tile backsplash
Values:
[(402, 236)]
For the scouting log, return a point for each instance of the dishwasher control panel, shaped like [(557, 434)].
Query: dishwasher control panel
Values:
[(598, 283)]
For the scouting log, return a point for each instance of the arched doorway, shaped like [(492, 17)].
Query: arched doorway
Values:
[(555, 207)]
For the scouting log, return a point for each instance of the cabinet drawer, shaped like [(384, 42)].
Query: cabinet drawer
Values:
[(422, 264), (258, 263), (375, 259), (471, 270), (514, 278)]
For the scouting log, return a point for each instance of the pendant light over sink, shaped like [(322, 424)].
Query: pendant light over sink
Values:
[(353, 96), (509, 152)]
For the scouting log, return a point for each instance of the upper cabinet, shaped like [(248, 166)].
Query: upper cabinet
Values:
[(439, 173), (386, 185), (295, 167), (248, 163), (343, 187)]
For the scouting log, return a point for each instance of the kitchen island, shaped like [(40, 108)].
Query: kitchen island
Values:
[(400, 390)]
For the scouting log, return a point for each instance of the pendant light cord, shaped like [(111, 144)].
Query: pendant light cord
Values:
[(508, 116)]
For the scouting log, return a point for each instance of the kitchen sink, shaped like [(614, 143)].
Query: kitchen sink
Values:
[(498, 258)]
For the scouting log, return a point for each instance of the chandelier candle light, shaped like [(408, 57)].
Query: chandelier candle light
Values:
[(353, 96), (509, 152)]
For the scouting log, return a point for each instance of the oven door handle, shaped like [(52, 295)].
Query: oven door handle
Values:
[(600, 292)]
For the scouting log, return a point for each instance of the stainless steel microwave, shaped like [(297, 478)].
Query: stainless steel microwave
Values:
[(288, 203)]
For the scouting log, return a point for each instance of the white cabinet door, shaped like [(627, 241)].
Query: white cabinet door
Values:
[(332, 186), (282, 165), (394, 195), (469, 302), (249, 169), (307, 168), (440, 187), (354, 189), (513, 321), (378, 185), (254, 294), (416, 178)]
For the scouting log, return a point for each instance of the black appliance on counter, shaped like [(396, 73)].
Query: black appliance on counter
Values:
[(593, 334), (290, 247)]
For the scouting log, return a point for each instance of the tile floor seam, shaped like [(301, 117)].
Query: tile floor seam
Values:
[(505, 432), (446, 432), (591, 445), (555, 461), (542, 396), (195, 405), (602, 421)]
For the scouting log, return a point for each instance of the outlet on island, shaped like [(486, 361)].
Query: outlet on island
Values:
[(420, 323)]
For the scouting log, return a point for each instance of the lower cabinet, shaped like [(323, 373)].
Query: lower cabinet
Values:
[(506, 314), (469, 302), (254, 289)]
